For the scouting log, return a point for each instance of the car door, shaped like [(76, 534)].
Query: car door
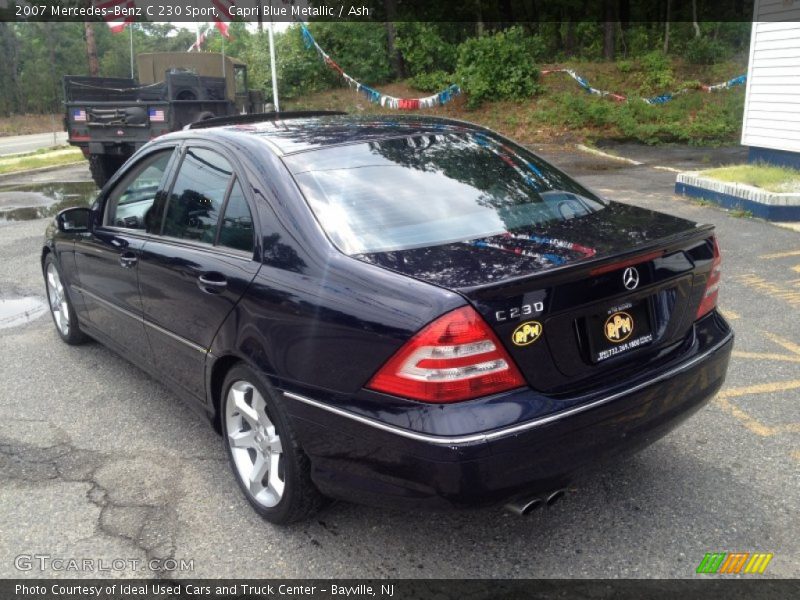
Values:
[(193, 272), (107, 258)]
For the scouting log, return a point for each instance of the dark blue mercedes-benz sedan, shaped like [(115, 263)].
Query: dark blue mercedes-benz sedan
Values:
[(400, 311)]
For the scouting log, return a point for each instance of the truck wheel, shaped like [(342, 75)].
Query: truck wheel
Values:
[(204, 116), (103, 167)]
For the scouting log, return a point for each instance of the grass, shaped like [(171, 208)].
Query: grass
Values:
[(39, 159), (563, 113), (27, 124), (770, 178)]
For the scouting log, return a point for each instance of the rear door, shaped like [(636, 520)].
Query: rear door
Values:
[(199, 264), (107, 259)]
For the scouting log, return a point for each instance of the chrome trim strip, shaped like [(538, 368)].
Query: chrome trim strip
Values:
[(144, 321), (492, 435)]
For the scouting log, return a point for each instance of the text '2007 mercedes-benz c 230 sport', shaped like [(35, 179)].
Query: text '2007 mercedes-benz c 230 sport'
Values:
[(413, 312)]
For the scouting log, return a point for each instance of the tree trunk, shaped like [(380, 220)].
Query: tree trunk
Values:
[(694, 19), (609, 29), (91, 49), (666, 26), (569, 39), (398, 65), (9, 46), (479, 28)]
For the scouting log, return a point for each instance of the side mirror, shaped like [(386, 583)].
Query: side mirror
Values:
[(74, 220)]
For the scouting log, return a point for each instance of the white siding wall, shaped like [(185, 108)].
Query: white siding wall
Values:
[(772, 104)]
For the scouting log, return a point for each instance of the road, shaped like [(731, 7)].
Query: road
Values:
[(17, 144), (98, 460)]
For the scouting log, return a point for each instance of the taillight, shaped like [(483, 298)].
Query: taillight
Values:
[(456, 357), (709, 301)]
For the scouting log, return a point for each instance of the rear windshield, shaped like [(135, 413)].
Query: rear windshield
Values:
[(433, 189)]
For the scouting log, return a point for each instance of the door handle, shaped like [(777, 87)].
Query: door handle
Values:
[(128, 260), (212, 286)]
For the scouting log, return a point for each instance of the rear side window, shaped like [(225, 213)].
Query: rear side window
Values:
[(129, 203), (236, 230), (197, 197), (433, 189)]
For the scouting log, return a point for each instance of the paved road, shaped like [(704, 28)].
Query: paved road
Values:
[(98, 460), (16, 144)]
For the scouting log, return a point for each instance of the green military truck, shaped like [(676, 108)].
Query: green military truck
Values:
[(110, 118)]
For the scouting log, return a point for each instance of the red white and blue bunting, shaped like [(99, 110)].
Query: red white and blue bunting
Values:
[(374, 95), (740, 80)]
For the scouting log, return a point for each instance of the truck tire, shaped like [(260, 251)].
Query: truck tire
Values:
[(204, 116), (103, 167)]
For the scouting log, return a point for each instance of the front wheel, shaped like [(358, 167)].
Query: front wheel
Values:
[(61, 308), (271, 468)]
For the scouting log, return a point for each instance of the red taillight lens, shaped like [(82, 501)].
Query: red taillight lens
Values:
[(709, 301), (457, 357)]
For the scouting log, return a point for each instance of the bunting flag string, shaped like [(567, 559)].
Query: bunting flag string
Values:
[(374, 95), (663, 98)]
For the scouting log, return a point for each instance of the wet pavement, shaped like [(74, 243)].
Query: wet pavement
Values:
[(27, 201)]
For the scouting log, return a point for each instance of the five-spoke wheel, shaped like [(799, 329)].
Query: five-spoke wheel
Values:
[(60, 305), (270, 466)]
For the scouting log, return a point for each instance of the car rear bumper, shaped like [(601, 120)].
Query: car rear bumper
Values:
[(372, 461)]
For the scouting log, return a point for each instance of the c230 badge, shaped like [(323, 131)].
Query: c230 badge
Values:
[(526, 333)]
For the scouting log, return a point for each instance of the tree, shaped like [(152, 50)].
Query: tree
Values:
[(91, 49), (609, 29)]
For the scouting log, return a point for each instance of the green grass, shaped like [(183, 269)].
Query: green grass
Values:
[(770, 178), (39, 159)]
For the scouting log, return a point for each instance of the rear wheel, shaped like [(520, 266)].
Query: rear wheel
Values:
[(103, 167), (61, 308), (270, 466)]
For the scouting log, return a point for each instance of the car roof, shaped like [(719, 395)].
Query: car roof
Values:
[(292, 135)]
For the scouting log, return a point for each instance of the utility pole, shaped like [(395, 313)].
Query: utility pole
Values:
[(274, 70), (130, 27)]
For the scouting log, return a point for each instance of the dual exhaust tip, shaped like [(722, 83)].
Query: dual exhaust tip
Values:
[(525, 505)]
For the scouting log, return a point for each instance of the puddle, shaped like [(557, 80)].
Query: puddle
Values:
[(19, 311), (39, 200)]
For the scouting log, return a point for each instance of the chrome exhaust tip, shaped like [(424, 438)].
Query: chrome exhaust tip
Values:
[(524, 506), (555, 497)]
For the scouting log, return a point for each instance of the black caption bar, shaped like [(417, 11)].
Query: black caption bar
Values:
[(403, 589), (486, 11)]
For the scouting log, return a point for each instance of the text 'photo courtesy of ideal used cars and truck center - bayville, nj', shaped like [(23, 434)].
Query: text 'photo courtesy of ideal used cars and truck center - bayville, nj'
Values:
[(387, 299)]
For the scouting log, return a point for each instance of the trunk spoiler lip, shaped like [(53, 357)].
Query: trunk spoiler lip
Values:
[(587, 265)]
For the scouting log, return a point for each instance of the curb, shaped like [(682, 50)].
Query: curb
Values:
[(596, 152), (767, 205), (11, 174)]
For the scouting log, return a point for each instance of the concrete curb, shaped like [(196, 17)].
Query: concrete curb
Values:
[(596, 152), (767, 205), (4, 176)]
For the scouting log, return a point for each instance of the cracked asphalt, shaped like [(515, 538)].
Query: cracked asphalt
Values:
[(99, 461)]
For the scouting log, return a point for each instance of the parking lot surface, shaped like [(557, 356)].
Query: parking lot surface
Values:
[(99, 461)]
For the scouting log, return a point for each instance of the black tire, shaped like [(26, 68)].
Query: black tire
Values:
[(71, 333), (299, 498), (204, 116), (103, 167)]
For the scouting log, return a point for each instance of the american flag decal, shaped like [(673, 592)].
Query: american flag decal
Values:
[(78, 114), (156, 115)]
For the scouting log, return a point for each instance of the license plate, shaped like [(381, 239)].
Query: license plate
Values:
[(619, 330)]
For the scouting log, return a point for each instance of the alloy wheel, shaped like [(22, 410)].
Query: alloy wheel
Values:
[(255, 444), (58, 300)]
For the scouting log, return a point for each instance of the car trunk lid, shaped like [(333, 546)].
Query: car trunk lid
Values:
[(579, 299)]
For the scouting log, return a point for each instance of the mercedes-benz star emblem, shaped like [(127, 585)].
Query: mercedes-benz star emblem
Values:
[(630, 278)]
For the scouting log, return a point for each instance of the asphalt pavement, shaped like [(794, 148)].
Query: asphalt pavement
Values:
[(99, 461)]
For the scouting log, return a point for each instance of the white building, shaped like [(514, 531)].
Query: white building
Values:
[(771, 125)]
